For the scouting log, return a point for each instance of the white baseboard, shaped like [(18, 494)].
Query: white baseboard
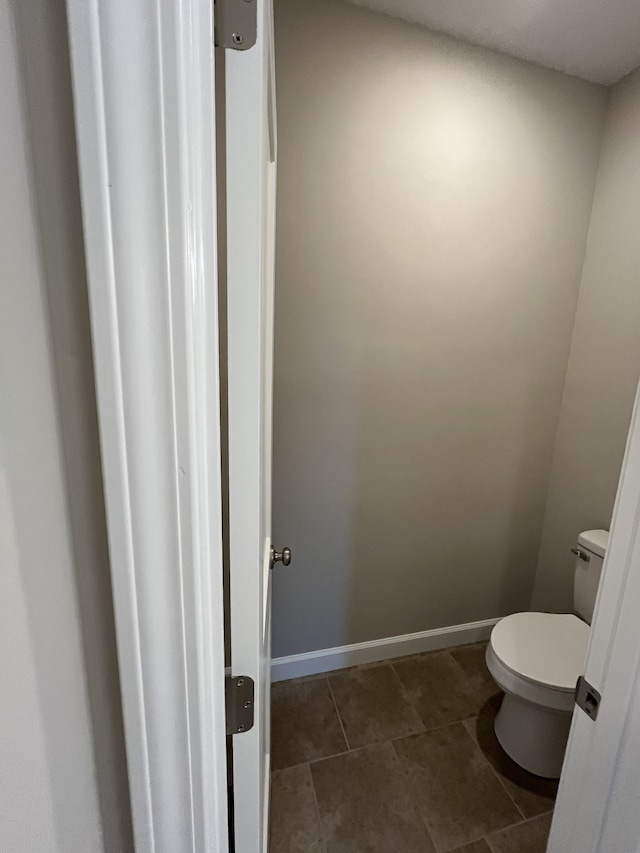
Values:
[(326, 660)]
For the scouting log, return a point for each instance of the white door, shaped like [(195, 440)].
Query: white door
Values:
[(251, 175), (597, 807)]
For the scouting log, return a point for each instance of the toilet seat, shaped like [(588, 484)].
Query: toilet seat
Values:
[(539, 656), (545, 648)]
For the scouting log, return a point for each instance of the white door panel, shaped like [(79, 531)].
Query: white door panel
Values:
[(250, 156), (600, 770)]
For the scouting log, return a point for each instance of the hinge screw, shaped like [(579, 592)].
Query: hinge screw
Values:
[(241, 727), (247, 704), (240, 682), (237, 38)]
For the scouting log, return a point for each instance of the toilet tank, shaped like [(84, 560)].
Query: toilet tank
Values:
[(589, 552)]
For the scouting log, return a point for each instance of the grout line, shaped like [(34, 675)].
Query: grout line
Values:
[(426, 731), (495, 773), (351, 750), (502, 783), (487, 835), (526, 820), (407, 696), (312, 761), (471, 841), (460, 667), (514, 825), (315, 800), (335, 705), (409, 790), (347, 752)]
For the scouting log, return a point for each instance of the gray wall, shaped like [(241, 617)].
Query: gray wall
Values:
[(64, 781), (433, 205), (604, 364)]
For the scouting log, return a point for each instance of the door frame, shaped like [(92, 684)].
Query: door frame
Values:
[(143, 77), (144, 95)]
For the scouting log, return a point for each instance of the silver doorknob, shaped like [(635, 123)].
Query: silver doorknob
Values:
[(283, 556)]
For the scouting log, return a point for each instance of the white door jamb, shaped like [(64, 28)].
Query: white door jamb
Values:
[(143, 79)]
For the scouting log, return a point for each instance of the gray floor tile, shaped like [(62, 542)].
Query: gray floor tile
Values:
[(529, 837), (471, 659), (532, 794), (457, 791), (438, 688), (294, 824), (373, 705), (365, 806), (304, 723)]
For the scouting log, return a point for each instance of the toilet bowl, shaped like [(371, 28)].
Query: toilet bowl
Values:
[(536, 659)]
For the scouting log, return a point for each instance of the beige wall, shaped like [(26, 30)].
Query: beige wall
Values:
[(433, 205), (604, 364), (64, 783)]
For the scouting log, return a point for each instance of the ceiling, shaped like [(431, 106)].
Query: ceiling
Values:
[(598, 40)]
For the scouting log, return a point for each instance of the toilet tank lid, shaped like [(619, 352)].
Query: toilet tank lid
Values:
[(595, 541)]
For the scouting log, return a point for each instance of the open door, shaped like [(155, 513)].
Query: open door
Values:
[(597, 807), (251, 176)]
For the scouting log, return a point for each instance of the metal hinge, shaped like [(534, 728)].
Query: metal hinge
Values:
[(587, 698), (236, 24), (238, 695)]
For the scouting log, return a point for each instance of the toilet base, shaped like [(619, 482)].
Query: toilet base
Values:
[(534, 737)]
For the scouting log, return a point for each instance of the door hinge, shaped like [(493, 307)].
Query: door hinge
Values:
[(238, 695), (587, 697), (236, 24)]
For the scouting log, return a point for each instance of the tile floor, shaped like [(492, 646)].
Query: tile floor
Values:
[(400, 757)]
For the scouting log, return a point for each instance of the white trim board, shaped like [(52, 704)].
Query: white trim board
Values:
[(144, 96), (326, 660)]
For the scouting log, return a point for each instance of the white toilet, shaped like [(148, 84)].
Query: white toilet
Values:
[(536, 659)]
